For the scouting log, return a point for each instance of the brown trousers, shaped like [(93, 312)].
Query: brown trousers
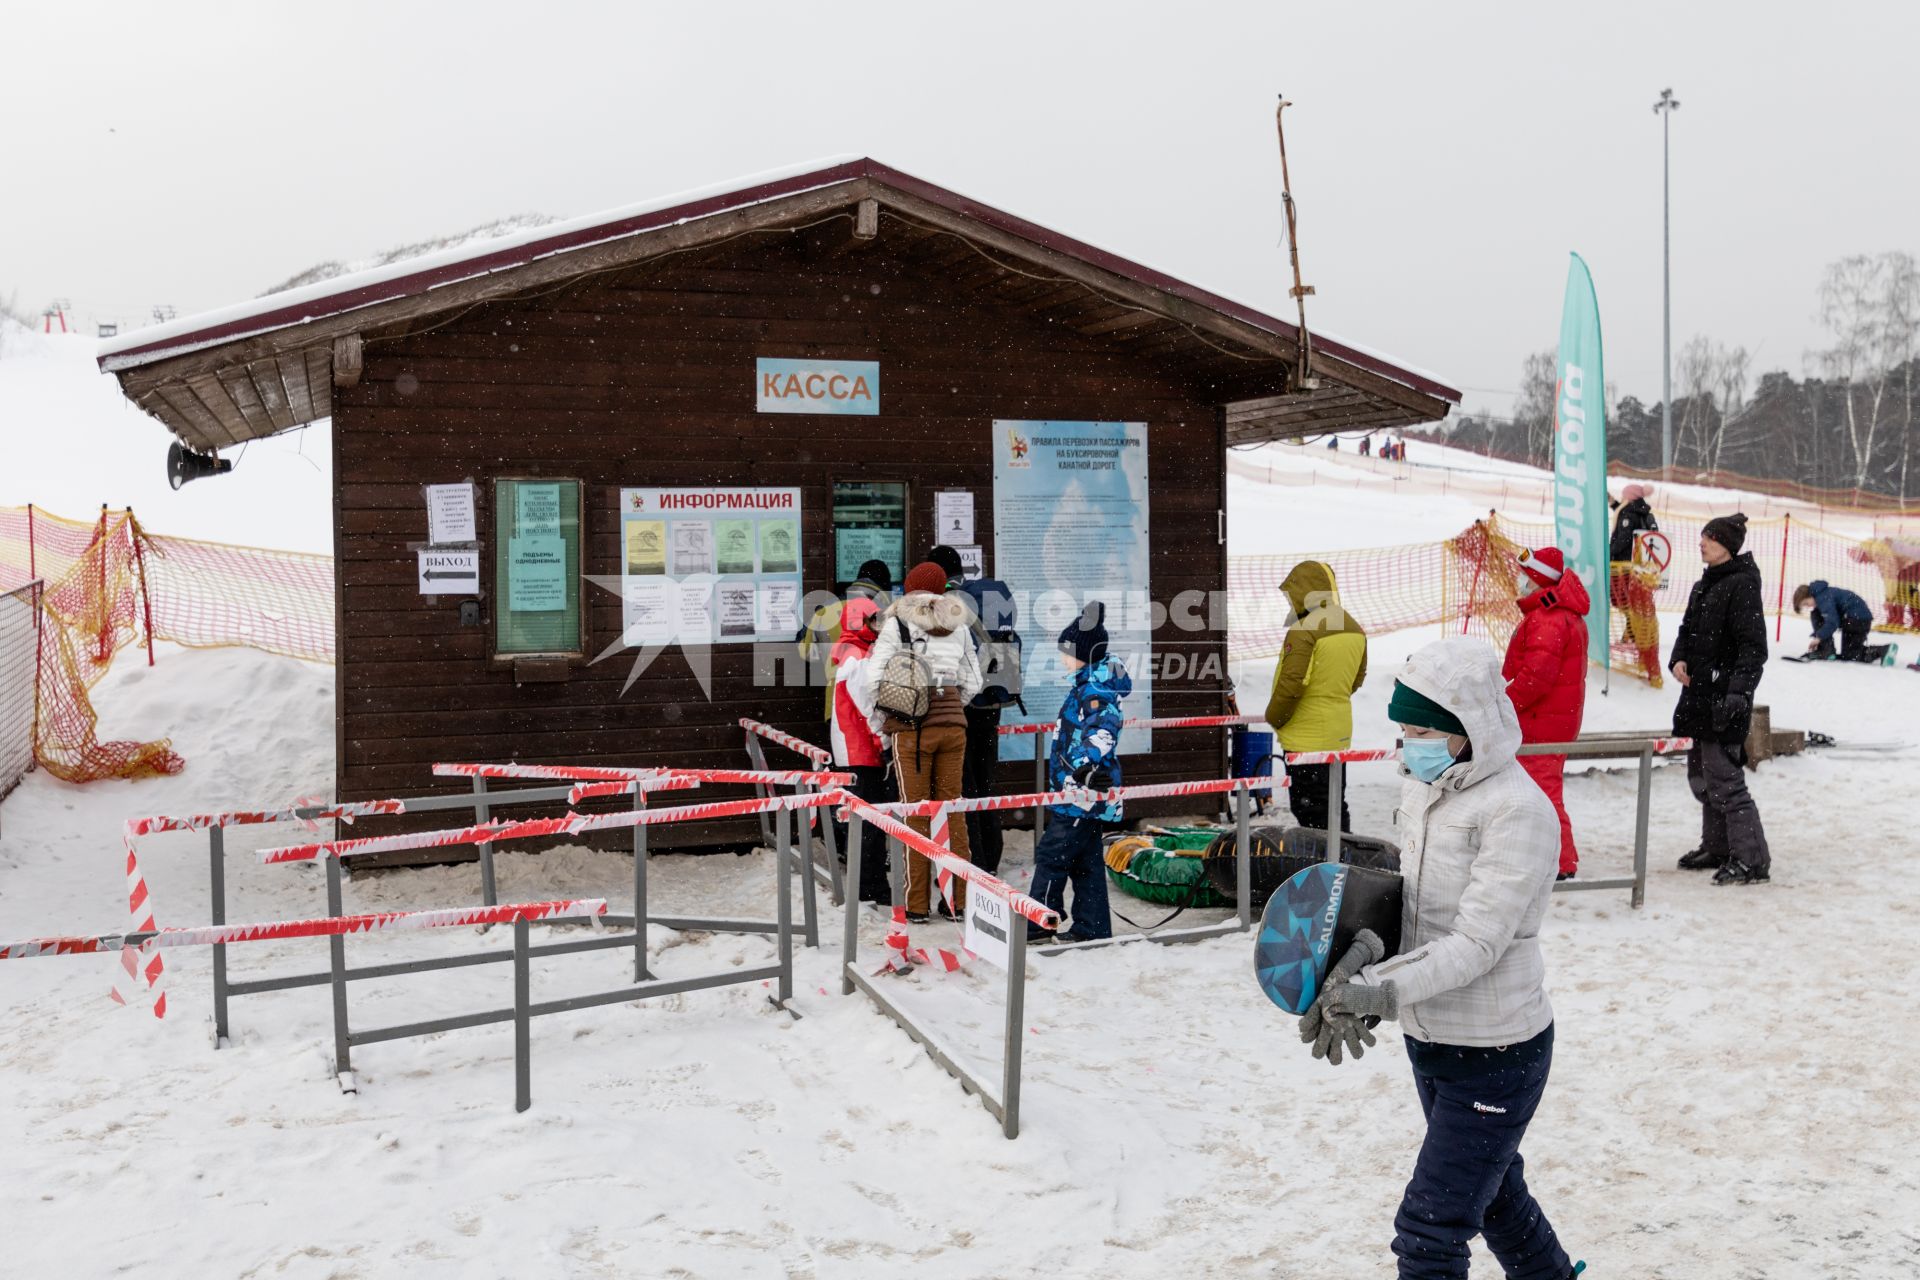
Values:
[(928, 762)]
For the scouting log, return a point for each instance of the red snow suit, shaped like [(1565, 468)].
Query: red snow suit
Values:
[(1546, 673)]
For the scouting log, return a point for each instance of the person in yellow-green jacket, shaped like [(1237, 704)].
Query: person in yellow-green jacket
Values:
[(1322, 662)]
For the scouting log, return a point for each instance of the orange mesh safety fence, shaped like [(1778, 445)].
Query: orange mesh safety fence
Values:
[(110, 584), (1468, 584)]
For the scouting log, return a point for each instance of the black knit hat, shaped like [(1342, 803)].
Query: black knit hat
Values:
[(949, 559), (876, 572), (1729, 531), (1086, 636)]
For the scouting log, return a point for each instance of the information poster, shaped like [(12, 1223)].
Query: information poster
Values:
[(710, 566), (1070, 526), (537, 571), (539, 511), (646, 547), (854, 547)]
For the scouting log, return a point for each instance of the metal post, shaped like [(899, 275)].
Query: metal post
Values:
[(482, 811), (837, 891), (1016, 1027), (1243, 854), (337, 977), (1041, 741), (896, 872), (1644, 804), (783, 912), (850, 922), (640, 971), (217, 865), (522, 1020), (757, 759), (791, 845), (1665, 109), (1336, 789)]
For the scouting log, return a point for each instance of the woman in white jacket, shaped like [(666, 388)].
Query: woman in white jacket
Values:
[(1479, 849), (928, 757)]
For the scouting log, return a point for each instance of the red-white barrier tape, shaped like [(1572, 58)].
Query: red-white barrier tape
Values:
[(1145, 791), (1357, 755), (530, 828), (141, 967), (253, 817), (1149, 722), (1032, 908), (327, 926), (787, 740)]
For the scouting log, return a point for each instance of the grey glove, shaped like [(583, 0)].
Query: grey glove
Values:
[(1316, 1028), (1355, 1001), (1339, 1031)]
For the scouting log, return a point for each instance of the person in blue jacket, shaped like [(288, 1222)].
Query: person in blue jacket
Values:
[(1086, 755), (1836, 609)]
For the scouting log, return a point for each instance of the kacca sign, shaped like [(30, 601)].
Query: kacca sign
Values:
[(817, 386)]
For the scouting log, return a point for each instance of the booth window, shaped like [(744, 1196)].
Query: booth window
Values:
[(536, 566), (869, 523)]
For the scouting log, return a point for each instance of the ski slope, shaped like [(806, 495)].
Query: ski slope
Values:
[(1732, 1098)]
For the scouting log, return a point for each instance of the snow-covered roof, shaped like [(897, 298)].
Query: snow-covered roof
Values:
[(263, 358)]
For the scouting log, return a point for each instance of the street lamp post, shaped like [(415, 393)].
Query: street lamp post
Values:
[(1665, 108)]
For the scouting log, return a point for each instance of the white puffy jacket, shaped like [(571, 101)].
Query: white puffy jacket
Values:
[(1479, 850), (939, 628)]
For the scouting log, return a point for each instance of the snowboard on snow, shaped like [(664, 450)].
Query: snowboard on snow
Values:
[(1882, 655), (1311, 920)]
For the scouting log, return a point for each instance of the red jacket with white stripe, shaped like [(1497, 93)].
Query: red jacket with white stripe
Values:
[(854, 740)]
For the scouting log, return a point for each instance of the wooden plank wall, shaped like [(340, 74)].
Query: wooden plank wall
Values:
[(647, 379)]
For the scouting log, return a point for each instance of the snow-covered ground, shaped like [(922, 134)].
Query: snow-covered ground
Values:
[(1732, 1097)]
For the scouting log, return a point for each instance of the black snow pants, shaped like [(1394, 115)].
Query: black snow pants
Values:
[(1729, 819)]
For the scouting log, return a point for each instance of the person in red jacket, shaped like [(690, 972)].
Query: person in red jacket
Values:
[(857, 749), (1546, 673)]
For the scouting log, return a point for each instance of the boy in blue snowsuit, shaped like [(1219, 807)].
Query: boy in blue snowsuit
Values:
[(1836, 609), (1086, 754)]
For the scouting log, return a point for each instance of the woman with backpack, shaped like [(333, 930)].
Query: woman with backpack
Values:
[(925, 670)]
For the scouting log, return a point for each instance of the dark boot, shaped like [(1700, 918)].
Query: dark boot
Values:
[(1739, 873), (1701, 860)]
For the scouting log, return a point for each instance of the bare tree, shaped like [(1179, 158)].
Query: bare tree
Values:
[(1853, 307), (1900, 343), (1535, 408)]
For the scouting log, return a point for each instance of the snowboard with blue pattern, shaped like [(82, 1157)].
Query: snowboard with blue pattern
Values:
[(1311, 920)]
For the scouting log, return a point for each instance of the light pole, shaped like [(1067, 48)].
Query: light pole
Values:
[(1665, 108)]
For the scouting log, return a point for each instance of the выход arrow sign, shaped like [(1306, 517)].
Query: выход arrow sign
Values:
[(449, 573)]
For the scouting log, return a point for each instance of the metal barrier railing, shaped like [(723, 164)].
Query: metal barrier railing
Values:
[(1004, 1105), (338, 974), (331, 851), (821, 759), (333, 927), (1597, 748)]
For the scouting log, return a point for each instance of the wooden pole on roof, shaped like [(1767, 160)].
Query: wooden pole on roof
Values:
[(1303, 376)]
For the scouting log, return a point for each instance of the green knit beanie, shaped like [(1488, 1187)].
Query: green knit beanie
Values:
[(1409, 706)]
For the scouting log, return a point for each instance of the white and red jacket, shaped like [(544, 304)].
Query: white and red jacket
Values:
[(854, 741)]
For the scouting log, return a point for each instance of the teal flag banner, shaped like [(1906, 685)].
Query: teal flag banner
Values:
[(1580, 450)]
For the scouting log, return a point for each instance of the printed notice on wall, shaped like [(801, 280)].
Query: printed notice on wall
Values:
[(710, 566), (1070, 526), (450, 515), (537, 572), (646, 546), (953, 517), (539, 509)]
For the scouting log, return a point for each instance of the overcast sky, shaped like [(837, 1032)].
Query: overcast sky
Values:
[(1446, 157)]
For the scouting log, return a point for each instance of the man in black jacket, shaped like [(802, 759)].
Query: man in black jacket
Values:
[(1718, 658)]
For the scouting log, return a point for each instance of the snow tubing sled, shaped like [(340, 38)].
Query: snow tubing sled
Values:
[(1311, 920), (1149, 868), (1276, 854)]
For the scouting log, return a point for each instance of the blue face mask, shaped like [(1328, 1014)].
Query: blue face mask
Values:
[(1426, 758)]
